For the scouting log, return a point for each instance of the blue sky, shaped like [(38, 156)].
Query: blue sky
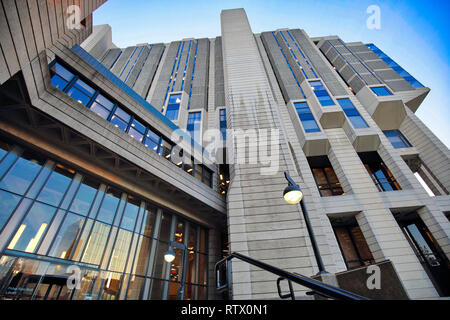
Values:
[(413, 33)]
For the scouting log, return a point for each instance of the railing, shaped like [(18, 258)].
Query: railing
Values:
[(317, 287)]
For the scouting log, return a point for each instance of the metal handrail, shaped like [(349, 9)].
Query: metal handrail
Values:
[(318, 287)]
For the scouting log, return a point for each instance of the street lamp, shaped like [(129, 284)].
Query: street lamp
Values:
[(170, 255), (293, 195)]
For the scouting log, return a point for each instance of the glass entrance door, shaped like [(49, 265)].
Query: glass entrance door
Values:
[(429, 253)]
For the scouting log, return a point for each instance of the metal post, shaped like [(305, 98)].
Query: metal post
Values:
[(308, 227), (313, 239)]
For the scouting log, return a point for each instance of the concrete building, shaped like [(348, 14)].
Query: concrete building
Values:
[(105, 163)]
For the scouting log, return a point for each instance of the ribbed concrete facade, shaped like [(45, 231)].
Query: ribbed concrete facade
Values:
[(339, 117)]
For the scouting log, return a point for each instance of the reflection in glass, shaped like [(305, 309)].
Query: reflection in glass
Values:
[(111, 285), (135, 287), (85, 195), (120, 253), (64, 242), (22, 173), (96, 243), (23, 279), (86, 291), (157, 288), (148, 221), (130, 214), (8, 203), (32, 229), (165, 227), (56, 185), (160, 263), (142, 252), (179, 232), (109, 206)]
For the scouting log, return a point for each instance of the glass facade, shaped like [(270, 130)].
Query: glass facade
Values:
[(352, 114), (397, 139), (306, 117), (60, 227), (111, 111)]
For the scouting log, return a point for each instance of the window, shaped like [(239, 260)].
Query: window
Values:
[(130, 214), (22, 173), (321, 93), (381, 91), (60, 76), (84, 197), (52, 231), (325, 177), (137, 130), (380, 174), (152, 140), (352, 114), (110, 110), (306, 117), (65, 240), (8, 203), (120, 119), (109, 206), (174, 106), (352, 243), (56, 185), (194, 125), (223, 123), (102, 106), (397, 139), (81, 92), (32, 229)]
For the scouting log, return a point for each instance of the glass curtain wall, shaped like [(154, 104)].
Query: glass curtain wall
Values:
[(67, 236)]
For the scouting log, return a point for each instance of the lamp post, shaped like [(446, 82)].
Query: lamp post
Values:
[(293, 195)]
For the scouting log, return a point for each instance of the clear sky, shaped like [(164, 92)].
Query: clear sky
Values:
[(413, 33)]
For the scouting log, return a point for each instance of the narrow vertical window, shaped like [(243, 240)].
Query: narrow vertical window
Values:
[(325, 177), (306, 117), (352, 114), (194, 125), (379, 172), (223, 123), (174, 106), (321, 93), (352, 243), (397, 139)]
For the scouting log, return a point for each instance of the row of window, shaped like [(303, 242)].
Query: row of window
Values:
[(328, 184), (394, 65), (287, 62), (49, 209), (310, 125), (110, 110), (295, 57)]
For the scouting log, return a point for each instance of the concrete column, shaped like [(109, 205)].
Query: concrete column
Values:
[(261, 224)]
